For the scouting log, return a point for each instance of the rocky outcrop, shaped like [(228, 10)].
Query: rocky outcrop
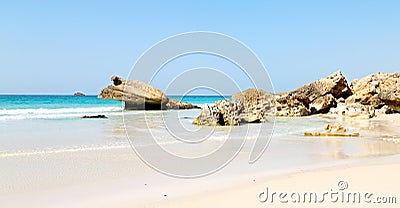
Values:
[(313, 98), (357, 110), (390, 92), (333, 130), (255, 104), (376, 92), (176, 104), (366, 90), (138, 95), (364, 98), (222, 113)]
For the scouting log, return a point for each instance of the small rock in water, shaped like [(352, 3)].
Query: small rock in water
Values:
[(98, 116), (335, 128)]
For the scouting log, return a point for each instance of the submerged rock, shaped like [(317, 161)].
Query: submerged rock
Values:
[(332, 130), (176, 104), (97, 116)]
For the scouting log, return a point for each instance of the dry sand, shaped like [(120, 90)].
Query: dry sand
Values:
[(377, 176)]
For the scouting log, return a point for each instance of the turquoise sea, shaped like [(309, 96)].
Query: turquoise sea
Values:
[(17, 107), (44, 143)]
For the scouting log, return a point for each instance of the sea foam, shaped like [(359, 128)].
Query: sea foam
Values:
[(43, 113)]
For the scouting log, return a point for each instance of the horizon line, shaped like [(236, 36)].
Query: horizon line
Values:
[(65, 94)]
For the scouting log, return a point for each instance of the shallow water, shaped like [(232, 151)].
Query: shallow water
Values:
[(45, 145), (53, 153)]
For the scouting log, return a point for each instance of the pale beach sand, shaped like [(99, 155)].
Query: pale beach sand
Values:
[(113, 175), (377, 176)]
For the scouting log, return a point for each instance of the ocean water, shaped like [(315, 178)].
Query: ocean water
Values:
[(40, 123), (19, 107), (53, 146), (200, 99), (47, 122)]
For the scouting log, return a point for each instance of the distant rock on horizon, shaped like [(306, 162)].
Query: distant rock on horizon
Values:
[(79, 94)]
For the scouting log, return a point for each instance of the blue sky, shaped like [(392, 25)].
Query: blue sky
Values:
[(54, 47)]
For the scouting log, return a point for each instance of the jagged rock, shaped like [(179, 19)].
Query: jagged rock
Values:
[(323, 104), (256, 105), (334, 128), (385, 110), (377, 93), (175, 104), (357, 110), (390, 92), (366, 90), (137, 95), (288, 104), (222, 113), (313, 98), (377, 90)]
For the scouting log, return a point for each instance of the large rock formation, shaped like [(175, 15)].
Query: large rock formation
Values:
[(138, 95), (222, 113), (366, 90), (316, 97), (390, 92), (255, 104), (378, 91)]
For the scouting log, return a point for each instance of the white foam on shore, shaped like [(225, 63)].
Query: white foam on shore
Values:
[(62, 150), (44, 113)]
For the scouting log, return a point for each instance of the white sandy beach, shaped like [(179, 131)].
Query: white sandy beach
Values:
[(378, 176), (113, 176)]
